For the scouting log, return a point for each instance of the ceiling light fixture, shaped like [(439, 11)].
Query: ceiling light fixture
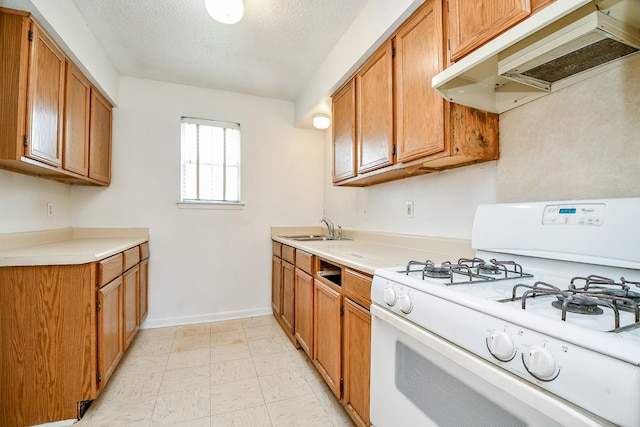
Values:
[(225, 11), (321, 121)]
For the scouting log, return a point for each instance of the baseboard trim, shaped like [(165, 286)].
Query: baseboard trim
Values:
[(204, 318)]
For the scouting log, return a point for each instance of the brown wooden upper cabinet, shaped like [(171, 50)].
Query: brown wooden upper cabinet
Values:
[(49, 126), (419, 109), (87, 139), (403, 126), (76, 134), (45, 101), (472, 24), (100, 138), (374, 111), (344, 132)]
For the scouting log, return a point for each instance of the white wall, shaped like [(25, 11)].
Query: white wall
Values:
[(23, 203), (205, 264)]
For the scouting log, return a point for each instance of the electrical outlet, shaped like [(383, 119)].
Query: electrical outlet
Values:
[(409, 209), (49, 209)]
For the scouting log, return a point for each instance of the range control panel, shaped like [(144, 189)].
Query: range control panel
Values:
[(581, 214)]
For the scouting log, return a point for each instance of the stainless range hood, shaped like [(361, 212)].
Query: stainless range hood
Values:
[(567, 42)]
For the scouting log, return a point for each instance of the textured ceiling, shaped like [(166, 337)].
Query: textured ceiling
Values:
[(273, 52)]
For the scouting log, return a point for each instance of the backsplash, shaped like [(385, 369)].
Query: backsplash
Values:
[(582, 142)]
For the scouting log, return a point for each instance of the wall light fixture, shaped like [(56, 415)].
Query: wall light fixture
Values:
[(321, 121), (225, 11)]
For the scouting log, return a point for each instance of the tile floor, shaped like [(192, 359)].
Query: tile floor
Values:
[(234, 373)]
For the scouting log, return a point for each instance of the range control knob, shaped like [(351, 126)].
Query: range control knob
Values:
[(501, 346), (390, 296), (539, 362), (405, 304)]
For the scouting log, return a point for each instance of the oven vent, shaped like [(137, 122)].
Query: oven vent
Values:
[(571, 53), (564, 43)]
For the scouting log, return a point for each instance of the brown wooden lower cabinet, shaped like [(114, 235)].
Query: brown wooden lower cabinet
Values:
[(47, 342), (288, 289), (357, 361), (332, 324), (304, 311), (327, 331), (283, 288), (63, 330), (144, 291), (131, 302), (110, 329), (276, 286)]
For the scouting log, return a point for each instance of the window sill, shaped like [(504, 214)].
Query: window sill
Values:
[(211, 205)]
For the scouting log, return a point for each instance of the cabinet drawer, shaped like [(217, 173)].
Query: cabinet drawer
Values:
[(289, 254), (144, 250), (277, 248), (357, 286), (131, 257), (109, 269), (304, 260)]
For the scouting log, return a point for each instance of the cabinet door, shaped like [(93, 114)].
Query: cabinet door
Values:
[(14, 57), (110, 329), (327, 329), (472, 24), (304, 311), (100, 138), (374, 95), (344, 132), (144, 291), (76, 122), (419, 108), (357, 361), (46, 100), (288, 293), (47, 342), (276, 285), (131, 283)]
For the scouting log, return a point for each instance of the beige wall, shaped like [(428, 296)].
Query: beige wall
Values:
[(582, 142)]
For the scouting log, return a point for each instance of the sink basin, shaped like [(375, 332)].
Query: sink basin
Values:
[(308, 237), (311, 238)]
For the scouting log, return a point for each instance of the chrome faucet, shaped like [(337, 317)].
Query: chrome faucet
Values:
[(329, 225)]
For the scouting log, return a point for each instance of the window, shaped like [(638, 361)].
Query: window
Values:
[(210, 161)]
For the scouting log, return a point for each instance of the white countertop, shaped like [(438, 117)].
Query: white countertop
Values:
[(365, 250), (67, 246)]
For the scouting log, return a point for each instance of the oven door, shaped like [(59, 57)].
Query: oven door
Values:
[(420, 379)]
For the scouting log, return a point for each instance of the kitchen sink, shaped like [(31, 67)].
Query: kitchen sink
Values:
[(308, 237), (311, 238)]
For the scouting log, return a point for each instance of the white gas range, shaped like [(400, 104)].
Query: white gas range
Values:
[(542, 327)]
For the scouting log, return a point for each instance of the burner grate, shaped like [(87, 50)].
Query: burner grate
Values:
[(467, 270), (585, 296)]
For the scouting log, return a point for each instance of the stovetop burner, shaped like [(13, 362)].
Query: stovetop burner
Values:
[(576, 303), (466, 270), (596, 295)]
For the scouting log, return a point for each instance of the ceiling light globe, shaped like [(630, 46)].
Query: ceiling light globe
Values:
[(225, 11), (321, 121)]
